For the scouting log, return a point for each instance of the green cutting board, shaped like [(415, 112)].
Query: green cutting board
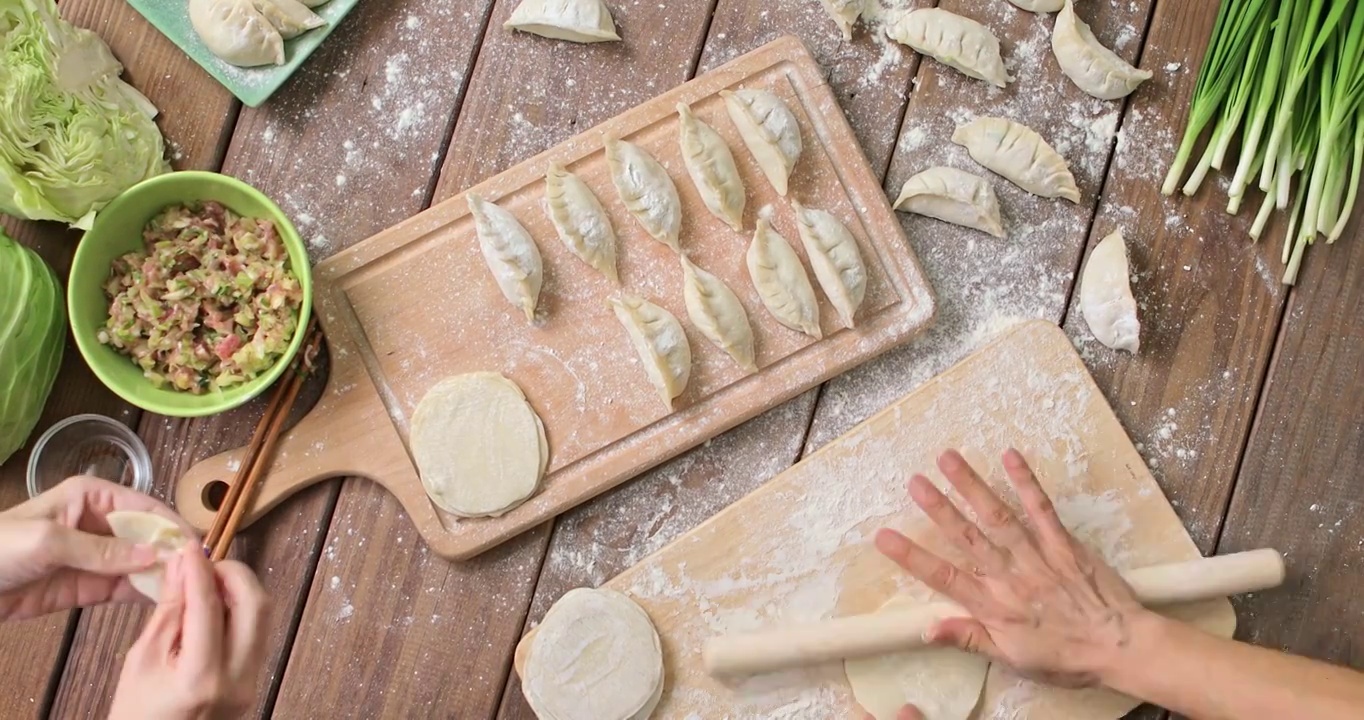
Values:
[(252, 86)]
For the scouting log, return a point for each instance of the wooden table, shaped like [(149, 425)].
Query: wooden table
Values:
[(1246, 398)]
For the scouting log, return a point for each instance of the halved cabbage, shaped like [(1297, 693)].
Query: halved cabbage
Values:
[(72, 134)]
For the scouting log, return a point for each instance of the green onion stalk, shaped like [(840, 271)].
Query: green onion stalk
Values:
[(1283, 82)]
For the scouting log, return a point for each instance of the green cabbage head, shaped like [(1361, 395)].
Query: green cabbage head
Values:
[(32, 335), (72, 134)]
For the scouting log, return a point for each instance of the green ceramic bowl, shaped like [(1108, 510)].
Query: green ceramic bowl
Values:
[(118, 230)]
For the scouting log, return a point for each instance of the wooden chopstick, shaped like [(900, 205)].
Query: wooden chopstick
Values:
[(256, 460)]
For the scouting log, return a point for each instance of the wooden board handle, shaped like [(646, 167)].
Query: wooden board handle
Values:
[(880, 633)]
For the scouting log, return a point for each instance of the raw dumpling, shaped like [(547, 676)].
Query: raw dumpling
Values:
[(1039, 6), (290, 17), (1106, 301), (660, 342), (580, 219), (942, 683), (1020, 155), (596, 656), (844, 13), (716, 311), (769, 129), (237, 32), (479, 447), (584, 21), (712, 169), (647, 191), (953, 196), (835, 259), (953, 40), (511, 254), (781, 281), (148, 529), (1091, 66)]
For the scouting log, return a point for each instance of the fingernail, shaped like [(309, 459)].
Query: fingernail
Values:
[(950, 460)]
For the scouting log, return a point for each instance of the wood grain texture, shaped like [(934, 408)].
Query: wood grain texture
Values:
[(1298, 488), (33, 653), (391, 630), (372, 105), (984, 284), (599, 540)]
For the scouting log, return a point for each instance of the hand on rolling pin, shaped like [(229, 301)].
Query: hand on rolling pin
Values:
[(1041, 602), (198, 656), (1047, 607), (57, 551)]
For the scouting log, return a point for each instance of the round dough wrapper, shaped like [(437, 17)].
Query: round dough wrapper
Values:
[(148, 529), (944, 683), (479, 446), (596, 656)]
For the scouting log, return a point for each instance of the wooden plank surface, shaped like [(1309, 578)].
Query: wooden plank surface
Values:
[(444, 631), (1298, 488), (33, 653), (372, 106)]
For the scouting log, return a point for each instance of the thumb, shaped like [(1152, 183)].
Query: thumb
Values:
[(909, 712), (100, 554), (964, 634)]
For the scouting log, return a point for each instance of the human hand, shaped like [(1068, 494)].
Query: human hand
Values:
[(198, 656), (57, 550), (1040, 602)]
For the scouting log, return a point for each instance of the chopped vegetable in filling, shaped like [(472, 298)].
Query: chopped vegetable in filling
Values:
[(210, 303)]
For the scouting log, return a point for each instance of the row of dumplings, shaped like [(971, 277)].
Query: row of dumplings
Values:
[(1007, 148), (772, 134), (970, 47)]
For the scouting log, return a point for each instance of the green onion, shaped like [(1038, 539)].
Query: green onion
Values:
[(1284, 81)]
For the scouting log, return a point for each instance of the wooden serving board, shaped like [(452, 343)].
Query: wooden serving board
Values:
[(799, 548), (416, 303)]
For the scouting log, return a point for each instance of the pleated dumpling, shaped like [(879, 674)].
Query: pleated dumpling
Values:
[(712, 169), (237, 32), (716, 311), (780, 279), (954, 196), (290, 17), (1091, 66), (584, 21), (580, 220), (1106, 301), (835, 258), (646, 190), (1039, 6), (1020, 155), (953, 40), (510, 252), (659, 340), (844, 14), (769, 129)]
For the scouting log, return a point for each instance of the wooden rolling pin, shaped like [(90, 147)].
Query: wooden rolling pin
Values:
[(880, 633)]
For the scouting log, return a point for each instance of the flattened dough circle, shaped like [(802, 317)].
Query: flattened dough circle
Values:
[(149, 529), (944, 683), (480, 448), (596, 656)]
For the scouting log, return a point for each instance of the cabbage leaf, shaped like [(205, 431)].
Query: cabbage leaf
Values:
[(32, 337), (72, 134)]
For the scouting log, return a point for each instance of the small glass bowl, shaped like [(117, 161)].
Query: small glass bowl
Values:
[(89, 445)]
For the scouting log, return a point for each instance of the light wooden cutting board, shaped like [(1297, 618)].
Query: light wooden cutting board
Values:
[(416, 303), (799, 548)]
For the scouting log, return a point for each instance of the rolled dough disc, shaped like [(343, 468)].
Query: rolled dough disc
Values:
[(150, 529), (944, 683), (480, 448), (596, 656)]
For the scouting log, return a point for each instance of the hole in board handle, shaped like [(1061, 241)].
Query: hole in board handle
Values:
[(213, 495)]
